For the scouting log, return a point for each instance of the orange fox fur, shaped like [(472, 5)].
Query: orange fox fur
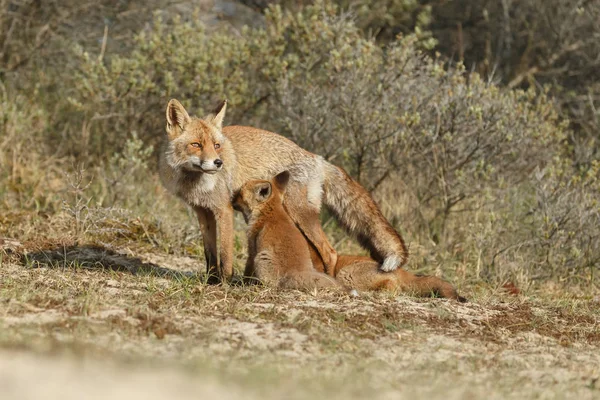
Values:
[(205, 165), (364, 273), (278, 254)]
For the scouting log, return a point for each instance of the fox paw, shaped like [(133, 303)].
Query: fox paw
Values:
[(391, 263), (330, 261)]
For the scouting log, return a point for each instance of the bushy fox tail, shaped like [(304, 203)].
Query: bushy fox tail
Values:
[(356, 210)]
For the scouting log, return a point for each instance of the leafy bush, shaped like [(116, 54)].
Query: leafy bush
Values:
[(544, 228), (395, 115), (522, 44), (551, 44), (176, 59)]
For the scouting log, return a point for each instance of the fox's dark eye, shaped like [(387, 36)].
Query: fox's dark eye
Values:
[(196, 145), (217, 146)]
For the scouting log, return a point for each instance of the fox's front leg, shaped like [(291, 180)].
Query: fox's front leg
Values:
[(250, 272), (224, 217), (208, 227)]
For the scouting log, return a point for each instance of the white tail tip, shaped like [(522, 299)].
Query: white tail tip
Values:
[(391, 263)]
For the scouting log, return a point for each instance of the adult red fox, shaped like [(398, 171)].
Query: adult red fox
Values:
[(205, 165)]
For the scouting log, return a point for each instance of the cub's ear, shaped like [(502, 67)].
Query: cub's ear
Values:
[(263, 191), (219, 114), (281, 180), (177, 118)]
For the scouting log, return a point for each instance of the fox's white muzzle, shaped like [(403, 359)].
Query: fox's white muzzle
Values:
[(206, 166)]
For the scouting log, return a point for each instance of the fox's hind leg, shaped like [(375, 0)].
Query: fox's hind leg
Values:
[(362, 273), (426, 286), (306, 217), (309, 280)]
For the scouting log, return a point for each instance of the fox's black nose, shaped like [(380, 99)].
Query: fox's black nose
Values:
[(218, 163)]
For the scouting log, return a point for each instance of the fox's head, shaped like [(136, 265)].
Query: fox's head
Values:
[(195, 144), (256, 195)]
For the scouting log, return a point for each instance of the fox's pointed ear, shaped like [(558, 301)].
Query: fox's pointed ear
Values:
[(219, 114), (263, 191), (177, 118), (281, 180)]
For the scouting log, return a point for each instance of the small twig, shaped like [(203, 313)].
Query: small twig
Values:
[(104, 40), (535, 69)]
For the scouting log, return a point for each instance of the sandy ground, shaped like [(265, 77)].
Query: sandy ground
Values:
[(26, 376), (439, 369), (96, 331)]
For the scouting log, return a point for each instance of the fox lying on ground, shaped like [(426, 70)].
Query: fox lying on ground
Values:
[(280, 255), (205, 165), (363, 273)]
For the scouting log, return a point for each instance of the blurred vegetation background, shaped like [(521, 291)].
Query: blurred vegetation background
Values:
[(475, 124)]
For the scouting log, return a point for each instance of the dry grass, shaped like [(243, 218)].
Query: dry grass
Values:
[(137, 317), (101, 284), (113, 302)]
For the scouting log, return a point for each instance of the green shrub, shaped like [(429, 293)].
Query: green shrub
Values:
[(478, 176), (175, 59), (546, 227), (395, 115)]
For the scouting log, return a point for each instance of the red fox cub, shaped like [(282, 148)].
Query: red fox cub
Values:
[(278, 254), (205, 165), (363, 273)]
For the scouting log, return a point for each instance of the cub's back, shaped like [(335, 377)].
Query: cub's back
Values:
[(285, 243)]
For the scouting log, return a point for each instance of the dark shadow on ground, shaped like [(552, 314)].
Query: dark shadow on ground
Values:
[(100, 258)]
